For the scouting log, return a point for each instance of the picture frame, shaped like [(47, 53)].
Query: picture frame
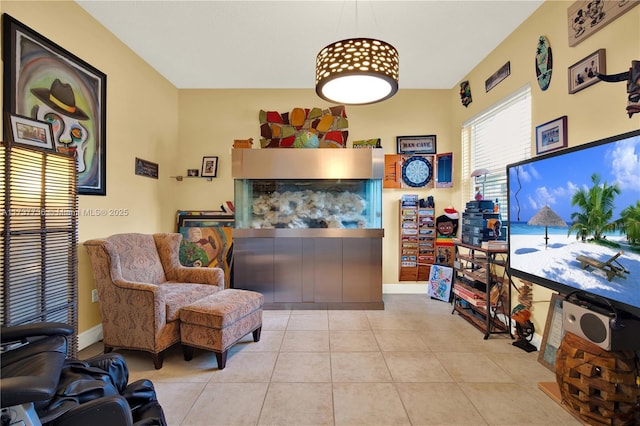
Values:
[(552, 135), (425, 144), (444, 170), (584, 73), (41, 77), (146, 168), (193, 172), (553, 333), (29, 132), (497, 77), (209, 166), (586, 17)]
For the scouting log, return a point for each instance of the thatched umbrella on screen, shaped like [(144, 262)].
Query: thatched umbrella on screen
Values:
[(547, 217)]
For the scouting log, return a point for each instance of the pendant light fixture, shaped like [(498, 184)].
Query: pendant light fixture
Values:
[(357, 71)]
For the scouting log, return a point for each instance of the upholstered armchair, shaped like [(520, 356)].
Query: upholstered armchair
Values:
[(141, 288)]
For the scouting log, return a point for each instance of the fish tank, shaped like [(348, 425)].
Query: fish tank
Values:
[(308, 203)]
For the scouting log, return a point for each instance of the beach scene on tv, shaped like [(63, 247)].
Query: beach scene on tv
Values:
[(574, 218)]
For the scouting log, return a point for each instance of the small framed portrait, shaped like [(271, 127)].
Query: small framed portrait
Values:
[(416, 144), (209, 167), (30, 132), (192, 172), (552, 135), (584, 73)]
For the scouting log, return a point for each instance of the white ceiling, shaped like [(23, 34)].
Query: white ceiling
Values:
[(273, 44)]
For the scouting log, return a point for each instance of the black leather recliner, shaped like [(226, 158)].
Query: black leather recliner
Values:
[(40, 386)]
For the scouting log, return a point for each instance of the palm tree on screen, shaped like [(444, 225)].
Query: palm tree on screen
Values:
[(596, 209)]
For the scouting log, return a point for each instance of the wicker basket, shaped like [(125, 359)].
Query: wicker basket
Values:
[(598, 386)]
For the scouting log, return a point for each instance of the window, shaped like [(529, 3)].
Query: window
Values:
[(491, 140)]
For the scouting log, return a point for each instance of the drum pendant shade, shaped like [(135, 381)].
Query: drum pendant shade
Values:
[(357, 71)]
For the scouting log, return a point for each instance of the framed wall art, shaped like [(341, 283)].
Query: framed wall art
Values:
[(444, 170), (209, 167), (41, 79), (416, 144), (584, 73), (146, 168), (585, 17), (495, 79), (33, 133), (552, 135)]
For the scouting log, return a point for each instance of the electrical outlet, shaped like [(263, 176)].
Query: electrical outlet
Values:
[(94, 295)]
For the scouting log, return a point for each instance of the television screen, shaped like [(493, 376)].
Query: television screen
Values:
[(574, 220)]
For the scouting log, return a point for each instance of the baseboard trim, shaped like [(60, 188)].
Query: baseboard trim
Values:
[(89, 337), (404, 288)]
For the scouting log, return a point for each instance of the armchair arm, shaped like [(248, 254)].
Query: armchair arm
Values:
[(20, 332), (200, 275)]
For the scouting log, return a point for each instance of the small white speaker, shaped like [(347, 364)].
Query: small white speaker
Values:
[(602, 328)]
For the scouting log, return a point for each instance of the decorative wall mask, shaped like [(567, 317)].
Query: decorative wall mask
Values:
[(465, 93)]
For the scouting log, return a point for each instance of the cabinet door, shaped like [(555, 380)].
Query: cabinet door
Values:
[(254, 265), (288, 267), (327, 274), (362, 270)]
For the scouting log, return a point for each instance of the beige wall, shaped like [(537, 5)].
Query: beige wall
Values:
[(593, 113), (211, 119), (142, 121), (149, 118)]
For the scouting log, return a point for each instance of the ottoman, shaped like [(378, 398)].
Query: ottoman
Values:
[(218, 321)]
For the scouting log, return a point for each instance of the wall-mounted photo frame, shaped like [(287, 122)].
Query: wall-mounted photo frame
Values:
[(146, 168), (552, 135), (425, 144), (585, 17), (41, 78), (495, 79), (209, 166), (584, 73), (29, 132), (193, 172)]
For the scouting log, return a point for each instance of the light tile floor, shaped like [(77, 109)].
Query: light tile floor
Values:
[(413, 363)]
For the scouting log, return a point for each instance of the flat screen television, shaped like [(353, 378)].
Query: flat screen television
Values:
[(569, 237)]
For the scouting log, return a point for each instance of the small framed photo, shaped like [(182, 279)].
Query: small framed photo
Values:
[(584, 73), (416, 144), (209, 167), (34, 133), (552, 135), (192, 172)]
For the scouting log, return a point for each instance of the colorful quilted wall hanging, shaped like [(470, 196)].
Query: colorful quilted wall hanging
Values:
[(304, 128)]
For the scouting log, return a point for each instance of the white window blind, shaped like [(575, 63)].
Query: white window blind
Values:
[(491, 140)]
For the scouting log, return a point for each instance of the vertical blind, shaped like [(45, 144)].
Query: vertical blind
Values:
[(491, 140), (38, 260)]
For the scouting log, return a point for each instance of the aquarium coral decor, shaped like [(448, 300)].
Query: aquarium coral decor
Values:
[(309, 209), (304, 128)]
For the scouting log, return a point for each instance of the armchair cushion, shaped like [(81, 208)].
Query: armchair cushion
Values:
[(177, 296), (135, 258)]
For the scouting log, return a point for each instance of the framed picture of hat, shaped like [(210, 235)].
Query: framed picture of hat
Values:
[(45, 82)]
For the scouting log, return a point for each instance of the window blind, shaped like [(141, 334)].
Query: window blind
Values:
[(38, 260), (499, 136)]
